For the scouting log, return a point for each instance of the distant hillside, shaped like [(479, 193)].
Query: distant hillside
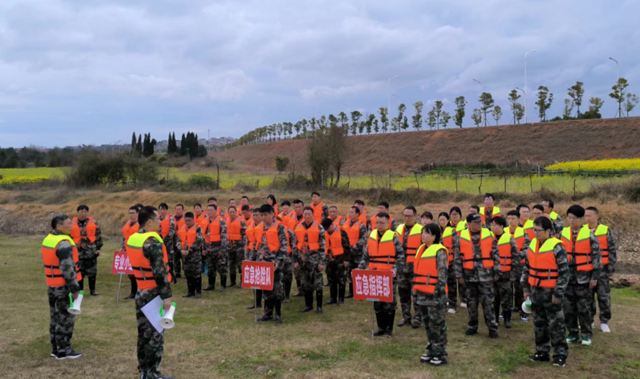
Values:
[(540, 143)]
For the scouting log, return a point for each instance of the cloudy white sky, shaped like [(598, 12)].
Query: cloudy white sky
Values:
[(93, 72)]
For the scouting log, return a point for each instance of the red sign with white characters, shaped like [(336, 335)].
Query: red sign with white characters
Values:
[(373, 285), (257, 275), (121, 264)]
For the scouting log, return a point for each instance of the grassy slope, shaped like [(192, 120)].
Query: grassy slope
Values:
[(216, 337)]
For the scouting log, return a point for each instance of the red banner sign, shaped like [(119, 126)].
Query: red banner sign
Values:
[(372, 285), (257, 275), (121, 264)]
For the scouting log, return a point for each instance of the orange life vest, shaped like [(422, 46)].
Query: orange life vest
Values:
[(353, 231), (294, 221), (140, 264), (382, 251), (128, 230), (578, 253), (601, 233), (234, 229), (338, 220), (90, 228), (212, 230), (312, 235), (496, 213), (334, 243), (165, 226), (188, 236), (426, 269), (179, 223), (413, 241), (273, 242), (52, 263), (504, 247), (543, 268), (251, 236), (317, 211), (447, 241), (466, 249)]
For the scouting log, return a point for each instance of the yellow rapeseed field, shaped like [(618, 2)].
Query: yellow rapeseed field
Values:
[(599, 165)]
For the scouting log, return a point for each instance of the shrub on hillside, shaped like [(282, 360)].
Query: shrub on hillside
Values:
[(282, 163), (93, 169), (202, 181)]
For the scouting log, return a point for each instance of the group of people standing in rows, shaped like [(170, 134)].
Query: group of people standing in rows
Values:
[(482, 257)]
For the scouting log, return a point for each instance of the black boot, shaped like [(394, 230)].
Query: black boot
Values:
[(319, 301), (134, 288), (300, 292), (334, 294), (232, 276), (258, 300), (92, 286), (341, 290), (287, 292), (507, 319), (198, 284), (308, 302), (212, 283), (223, 283), (81, 283), (268, 311), (190, 288), (390, 320), (350, 295), (380, 320), (278, 306)]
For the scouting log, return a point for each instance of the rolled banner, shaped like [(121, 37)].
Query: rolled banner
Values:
[(167, 317), (74, 307), (526, 306)]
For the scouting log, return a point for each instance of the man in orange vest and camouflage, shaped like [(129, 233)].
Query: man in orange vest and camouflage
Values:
[(357, 231), (609, 260), (338, 254), (190, 240), (410, 235), (87, 236), (320, 209), (489, 211), (383, 207), (128, 229), (509, 265), (311, 258), (214, 231), (384, 252), (295, 219), (545, 276), (583, 255), (178, 218), (521, 236), (150, 264), (60, 257), (168, 233), (477, 267)]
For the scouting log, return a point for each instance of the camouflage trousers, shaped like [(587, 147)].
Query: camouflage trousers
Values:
[(236, 256), (193, 264), (503, 296), (310, 277), (278, 287), (455, 288), (548, 323), (88, 261), (60, 321), (518, 296), (577, 309), (433, 317), (150, 342), (603, 290), (170, 256), (177, 260), (356, 258), (480, 292), (336, 272), (388, 308), (405, 292), (217, 261), (287, 270)]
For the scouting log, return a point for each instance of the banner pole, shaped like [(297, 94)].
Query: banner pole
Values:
[(119, 285), (255, 306), (373, 316)]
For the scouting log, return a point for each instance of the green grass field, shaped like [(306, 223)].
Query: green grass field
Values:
[(216, 337)]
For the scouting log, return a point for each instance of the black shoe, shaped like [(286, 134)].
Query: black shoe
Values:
[(404, 322), (266, 318), (131, 296), (416, 324), (209, 288), (178, 275), (493, 334), (507, 319), (507, 324), (349, 296), (425, 358), (222, 289), (332, 301), (319, 310), (72, 355), (379, 333), (188, 295), (299, 294), (306, 309), (319, 301), (471, 332), (54, 353), (437, 361), (286, 300), (559, 361), (278, 320), (539, 357), (198, 295), (254, 306), (94, 293)]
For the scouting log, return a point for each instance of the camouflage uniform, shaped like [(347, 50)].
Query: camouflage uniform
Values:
[(603, 289), (557, 226), (287, 278), (336, 272), (433, 308), (273, 299), (169, 243), (479, 283), (502, 288), (518, 295), (455, 288), (405, 286), (548, 318), (356, 253), (217, 257), (577, 300), (87, 254), (310, 275), (193, 259), (177, 256), (386, 312), (237, 253), (150, 342), (61, 322), (296, 271)]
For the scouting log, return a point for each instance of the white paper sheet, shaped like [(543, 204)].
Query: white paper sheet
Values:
[(152, 312)]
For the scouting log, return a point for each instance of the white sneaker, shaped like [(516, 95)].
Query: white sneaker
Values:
[(605, 328), (501, 317), (463, 305), (593, 325), (451, 310)]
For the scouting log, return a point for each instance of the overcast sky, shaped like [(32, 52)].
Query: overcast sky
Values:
[(92, 72)]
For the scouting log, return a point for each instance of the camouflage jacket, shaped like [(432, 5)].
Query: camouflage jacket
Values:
[(152, 250), (563, 273), (613, 254), (263, 254), (197, 244), (346, 256), (83, 236), (64, 252), (171, 235), (516, 256), (582, 277), (443, 275), (315, 257), (478, 273), (223, 245), (362, 239), (400, 257)]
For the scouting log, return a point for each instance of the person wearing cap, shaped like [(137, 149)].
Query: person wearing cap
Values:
[(583, 254), (544, 280), (477, 265), (609, 261), (338, 253), (271, 246), (489, 211)]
